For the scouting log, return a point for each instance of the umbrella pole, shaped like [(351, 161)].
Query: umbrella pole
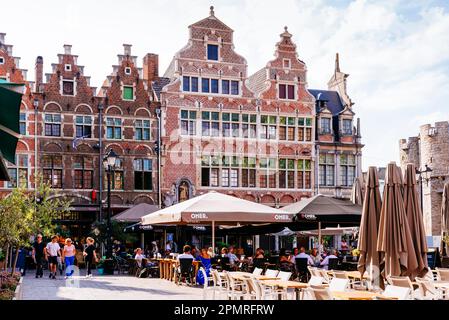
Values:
[(142, 241), (319, 236), (213, 236)]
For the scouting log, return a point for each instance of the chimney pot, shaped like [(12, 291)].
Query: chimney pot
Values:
[(67, 49), (127, 49)]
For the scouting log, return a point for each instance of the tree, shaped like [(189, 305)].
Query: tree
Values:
[(24, 214)]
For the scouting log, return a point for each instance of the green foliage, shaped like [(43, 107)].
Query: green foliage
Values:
[(21, 216), (99, 232)]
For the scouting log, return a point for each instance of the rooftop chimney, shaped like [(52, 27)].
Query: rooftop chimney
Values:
[(67, 49), (151, 67), (127, 49), (2, 38), (39, 73)]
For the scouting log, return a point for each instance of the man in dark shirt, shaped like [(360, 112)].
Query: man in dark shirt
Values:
[(38, 254)]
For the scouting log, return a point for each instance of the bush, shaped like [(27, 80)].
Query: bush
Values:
[(6, 295), (8, 285)]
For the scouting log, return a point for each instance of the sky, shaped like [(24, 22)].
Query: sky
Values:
[(395, 51)]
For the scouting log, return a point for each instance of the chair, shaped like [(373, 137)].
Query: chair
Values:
[(400, 293), (402, 282), (185, 270), (236, 287), (333, 264), (442, 274), (314, 280), (323, 274), (271, 273), (301, 267), (338, 284), (257, 271), (206, 286), (259, 263), (427, 290), (321, 293), (284, 276), (253, 289), (225, 264), (219, 283)]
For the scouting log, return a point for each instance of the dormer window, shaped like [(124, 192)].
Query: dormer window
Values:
[(127, 70), (325, 126), (212, 52), (347, 127), (287, 91), (287, 63), (68, 67), (2, 60)]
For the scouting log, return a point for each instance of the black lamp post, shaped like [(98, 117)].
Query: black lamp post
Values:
[(426, 173), (109, 162)]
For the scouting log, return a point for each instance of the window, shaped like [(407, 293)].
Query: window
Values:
[(23, 123), (19, 172), (190, 84), (304, 129), (267, 177), (209, 171), (287, 128), (185, 83), (113, 128), (225, 86), (325, 126), (188, 122), (347, 169), (194, 84), (347, 127), (286, 173), (229, 171), (52, 170), (83, 126), (210, 125), (117, 176), (205, 84), (83, 172), (286, 63), (143, 175), (2, 60), (142, 130), (52, 125), (286, 91), (249, 126), (214, 85), (249, 172), (68, 87), (128, 93), (268, 127), (212, 52), (327, 167), (304, 174), (128, 70), (234, 87), (68, 67)]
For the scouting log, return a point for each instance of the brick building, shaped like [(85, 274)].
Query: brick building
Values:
[(430, 147), (249, 136), (338, 140)]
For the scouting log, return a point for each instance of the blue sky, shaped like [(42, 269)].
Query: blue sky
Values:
[(396, 52)]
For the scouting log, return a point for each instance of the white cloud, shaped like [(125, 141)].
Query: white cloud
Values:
[(397, 52)]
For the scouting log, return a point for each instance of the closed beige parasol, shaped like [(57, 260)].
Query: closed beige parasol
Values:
[(369, 256), (395, 239), (415, 221)]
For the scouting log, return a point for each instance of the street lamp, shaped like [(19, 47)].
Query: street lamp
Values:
[(109, 162), (426, 173)]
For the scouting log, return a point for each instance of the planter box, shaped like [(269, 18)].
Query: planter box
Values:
[(18, 294)]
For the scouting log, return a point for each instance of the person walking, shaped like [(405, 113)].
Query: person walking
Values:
[(68, 255), (52, 250), (89, 256), (38, 254)]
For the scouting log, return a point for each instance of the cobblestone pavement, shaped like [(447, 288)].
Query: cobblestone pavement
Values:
[(117, 287)]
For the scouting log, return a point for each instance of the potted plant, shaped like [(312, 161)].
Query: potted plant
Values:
[(100, 266)]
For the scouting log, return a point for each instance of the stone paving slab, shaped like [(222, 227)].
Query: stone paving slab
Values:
[(117, 287)]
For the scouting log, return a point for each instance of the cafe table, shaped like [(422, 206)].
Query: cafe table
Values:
[(298, 286), (357, 295), (239, 275)]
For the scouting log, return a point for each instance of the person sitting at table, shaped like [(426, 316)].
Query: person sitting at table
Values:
[(315, 257), (303, 254), (210, 252), (260, 254), (187, 254), (293, 255), (325, 262), (204, 258), (224, 252), (285, 264), (344, 246), (233, 260)]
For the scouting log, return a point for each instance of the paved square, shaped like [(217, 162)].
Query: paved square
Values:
[(117, 287)]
